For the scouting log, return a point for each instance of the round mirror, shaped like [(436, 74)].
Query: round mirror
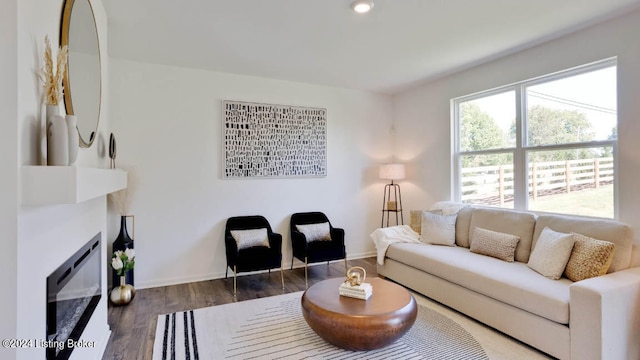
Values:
[(82, 87)]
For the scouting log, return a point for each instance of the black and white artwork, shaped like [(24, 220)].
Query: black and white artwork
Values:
[(266, 140)]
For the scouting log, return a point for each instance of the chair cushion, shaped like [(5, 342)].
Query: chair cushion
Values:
[(552, 251), (316, 232), (250, 238)]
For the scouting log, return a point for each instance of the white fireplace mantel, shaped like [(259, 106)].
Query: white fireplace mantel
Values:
[(49, 185)]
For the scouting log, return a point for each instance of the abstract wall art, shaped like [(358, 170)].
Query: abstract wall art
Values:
[(267, 140)]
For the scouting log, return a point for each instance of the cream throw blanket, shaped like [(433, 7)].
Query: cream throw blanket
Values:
[(384, 237)]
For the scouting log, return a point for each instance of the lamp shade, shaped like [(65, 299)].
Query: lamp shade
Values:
[(392, 171)]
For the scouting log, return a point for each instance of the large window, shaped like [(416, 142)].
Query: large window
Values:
[(546, 144)]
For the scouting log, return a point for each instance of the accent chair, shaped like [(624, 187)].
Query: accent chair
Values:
[(251, 245), (313, 239)]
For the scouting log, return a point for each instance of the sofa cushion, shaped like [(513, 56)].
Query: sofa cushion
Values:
[(512, 283), (551, 253), (438, 229), (607, 230), (589, 258), (462, 226), (491, 243), (505, 221)]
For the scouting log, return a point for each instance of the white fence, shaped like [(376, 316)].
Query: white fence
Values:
[(494, 184)]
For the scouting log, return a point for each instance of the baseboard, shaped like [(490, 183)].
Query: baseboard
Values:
[(220, 275)]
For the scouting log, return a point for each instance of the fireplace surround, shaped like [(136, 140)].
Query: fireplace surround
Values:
[(73, 292)]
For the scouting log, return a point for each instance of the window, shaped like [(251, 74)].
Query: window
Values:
[(546, 144)]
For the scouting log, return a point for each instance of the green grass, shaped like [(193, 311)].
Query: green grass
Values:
[(588, 202)]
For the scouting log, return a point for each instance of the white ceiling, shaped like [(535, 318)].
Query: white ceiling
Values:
[(398, 44)]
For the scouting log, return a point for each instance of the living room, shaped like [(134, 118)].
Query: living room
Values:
[(167, 121)]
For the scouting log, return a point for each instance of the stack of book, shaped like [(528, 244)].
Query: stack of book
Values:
[(362, 291)]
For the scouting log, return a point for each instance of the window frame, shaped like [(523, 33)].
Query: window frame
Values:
[(521, 149)]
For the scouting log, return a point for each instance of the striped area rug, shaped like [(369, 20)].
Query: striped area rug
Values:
[(274, 328)]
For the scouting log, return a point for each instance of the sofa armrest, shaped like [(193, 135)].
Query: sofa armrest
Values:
[(605, 316)]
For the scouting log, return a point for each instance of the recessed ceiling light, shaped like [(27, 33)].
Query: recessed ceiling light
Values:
[(362, 6)]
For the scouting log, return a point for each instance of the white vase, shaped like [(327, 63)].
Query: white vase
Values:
[(57, 141), (74, 140), (50, 110)]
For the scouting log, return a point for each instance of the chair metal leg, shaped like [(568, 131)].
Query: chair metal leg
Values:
[(306, 282), (292, 262), (234, 280), (282, 275), (226, 271)]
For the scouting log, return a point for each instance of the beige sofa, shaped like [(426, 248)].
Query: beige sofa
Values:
[(596, 318)]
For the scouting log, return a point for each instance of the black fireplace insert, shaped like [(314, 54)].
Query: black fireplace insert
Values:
[(73, 292)]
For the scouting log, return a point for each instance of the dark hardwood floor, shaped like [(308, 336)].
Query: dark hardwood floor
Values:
[(133, 326)]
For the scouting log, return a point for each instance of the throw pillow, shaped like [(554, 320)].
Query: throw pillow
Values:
[(316, 232), (250, 238), (438, 229), (415, 217), (590, 258), (495, 244), (551, 254)]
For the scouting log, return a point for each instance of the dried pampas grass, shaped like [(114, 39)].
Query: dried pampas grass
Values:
[(51, 75), (120, 198)]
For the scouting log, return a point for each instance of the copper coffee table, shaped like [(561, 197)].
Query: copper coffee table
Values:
[(356, 324)]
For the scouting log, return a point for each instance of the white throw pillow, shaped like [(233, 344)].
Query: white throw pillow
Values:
[(316, 232), (551, 254), (250, 238), (438, 229), (495, 244)]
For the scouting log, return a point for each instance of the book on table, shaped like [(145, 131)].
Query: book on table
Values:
[(362, 291)]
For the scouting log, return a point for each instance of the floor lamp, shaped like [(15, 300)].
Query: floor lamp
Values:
[(392, 204)]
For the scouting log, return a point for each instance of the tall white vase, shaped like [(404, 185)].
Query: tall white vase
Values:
[(74, 140), (44, 138), (57, 141)]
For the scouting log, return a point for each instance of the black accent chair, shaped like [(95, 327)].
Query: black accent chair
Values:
[(253, 258), (316, 251)]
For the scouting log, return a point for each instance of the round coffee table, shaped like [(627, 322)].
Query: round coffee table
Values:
[(356, 324)]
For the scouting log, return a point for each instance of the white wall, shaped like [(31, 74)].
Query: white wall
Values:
[(167, 122), (48, 235), (9, 173), (423, 114)]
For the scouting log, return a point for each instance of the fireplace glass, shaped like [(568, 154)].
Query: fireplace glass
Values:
[(73, 292)]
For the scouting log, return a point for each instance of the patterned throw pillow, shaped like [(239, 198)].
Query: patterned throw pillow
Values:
[(551, 254), (590, 258), (438, 229), (495, 244), (250, 238), (316, 232)]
